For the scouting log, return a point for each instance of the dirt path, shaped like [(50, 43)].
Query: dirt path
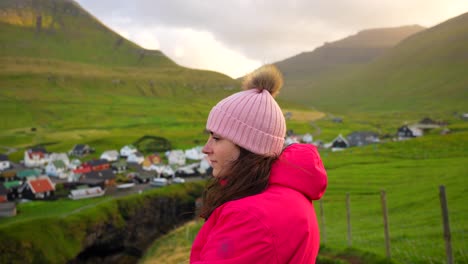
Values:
[(318, 131)]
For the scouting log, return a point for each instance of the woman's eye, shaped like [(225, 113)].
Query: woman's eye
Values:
[(216, 138)]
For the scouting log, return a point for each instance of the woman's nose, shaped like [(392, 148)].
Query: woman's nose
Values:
[(207, 148)]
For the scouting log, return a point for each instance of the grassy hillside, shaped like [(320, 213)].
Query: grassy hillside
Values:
[(69, 78), (67, 103), (307, 70), (62, 30), (354, 50), (425, 72)]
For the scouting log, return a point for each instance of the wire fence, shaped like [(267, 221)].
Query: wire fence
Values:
[(402, 230)]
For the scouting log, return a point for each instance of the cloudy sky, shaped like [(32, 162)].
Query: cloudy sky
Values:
[(237, 36)]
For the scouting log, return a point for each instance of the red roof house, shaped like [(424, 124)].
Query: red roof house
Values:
[(37, 188)]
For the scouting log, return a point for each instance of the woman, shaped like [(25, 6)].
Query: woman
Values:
[(258, 206)]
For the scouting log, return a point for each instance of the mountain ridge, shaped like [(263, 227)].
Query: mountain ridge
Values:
[(416, 75)]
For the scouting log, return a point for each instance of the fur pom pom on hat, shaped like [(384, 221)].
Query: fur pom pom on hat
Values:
[(251, 118)]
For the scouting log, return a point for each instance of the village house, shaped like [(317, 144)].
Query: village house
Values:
[(357, 139), (56, 168), (35, 157), (162, 170), (92, 165), (427, 124), (74, 164), (12, 189), (36, 188), (166, 172), (106, 176), (81, 150), (188, 170), (337, 120), (127, 150), (339, 143), (83, 168), (22, 175), (464, 116), (291, 140), (73, 176), (8, 175), (194, 153), (4, 162), (405, 132), (84, 192), (136, 157), (119, 166), (141, 177), (176, 157), (205, 167), (59, 156), (98, 164), (151, 162), (307, 138), (110, 155)]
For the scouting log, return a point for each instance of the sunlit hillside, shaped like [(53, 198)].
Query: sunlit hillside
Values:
[(67, 78), (424, 72)]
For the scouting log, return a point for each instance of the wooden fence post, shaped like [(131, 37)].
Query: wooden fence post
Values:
[(383, 197), (446, 225), (348, 217), (322, 217)]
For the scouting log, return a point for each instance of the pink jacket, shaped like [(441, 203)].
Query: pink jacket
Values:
[(278, 225)]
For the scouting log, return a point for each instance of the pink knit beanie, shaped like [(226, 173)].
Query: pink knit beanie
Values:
[(252, 119)]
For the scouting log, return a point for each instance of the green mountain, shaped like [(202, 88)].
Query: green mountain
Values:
[(354, 50), (62, 30), (65, 75), (423, 72)]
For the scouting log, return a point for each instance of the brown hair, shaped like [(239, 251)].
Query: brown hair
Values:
[(248, 175)]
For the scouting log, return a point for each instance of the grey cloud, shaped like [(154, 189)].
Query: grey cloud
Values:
[(270, 30)]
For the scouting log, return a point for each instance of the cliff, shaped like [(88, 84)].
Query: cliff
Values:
[(117, 231)]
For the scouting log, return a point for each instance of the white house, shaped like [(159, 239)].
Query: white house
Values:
[(167, 171), (59, 156), (176, 157), (136, 157), (74, 164), (110, 155), (194, 153), (4, 162), (464, 116), (307, 138), (73, 177), (339, 143), (127, 150), (37, 188), (204, 166), (290, 140), (406, 132), (56, 168), (35, 157), (188, 170), (417, 131)]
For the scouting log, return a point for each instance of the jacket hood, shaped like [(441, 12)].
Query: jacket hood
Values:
[(300, 167)]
